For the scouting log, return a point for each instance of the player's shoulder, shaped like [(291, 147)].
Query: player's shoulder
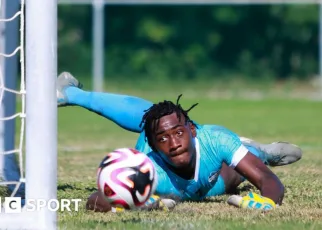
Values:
[(153, 155), (214, 130), (156, 159), (159, 165)]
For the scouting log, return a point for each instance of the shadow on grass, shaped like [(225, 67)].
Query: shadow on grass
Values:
[(70, 186), (241, 189), (65, 187), (222, 198), (132, 223)]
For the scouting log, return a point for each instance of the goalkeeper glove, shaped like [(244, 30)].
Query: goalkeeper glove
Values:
[(153, 203), (157, 203), (252, 201)]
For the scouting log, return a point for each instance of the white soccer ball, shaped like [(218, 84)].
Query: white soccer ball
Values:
[(126, 178)]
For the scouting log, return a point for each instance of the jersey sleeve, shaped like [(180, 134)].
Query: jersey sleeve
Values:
[(229, 147)]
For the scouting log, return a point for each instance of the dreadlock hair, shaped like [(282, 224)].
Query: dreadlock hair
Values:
[(156, 111)]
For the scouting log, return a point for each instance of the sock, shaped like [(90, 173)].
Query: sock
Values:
[(257, 153), (126, 111)]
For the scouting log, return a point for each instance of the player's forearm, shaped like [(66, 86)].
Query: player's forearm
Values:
[(272, 188)]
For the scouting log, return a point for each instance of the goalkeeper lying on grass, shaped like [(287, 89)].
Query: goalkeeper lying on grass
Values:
[(193, 161)]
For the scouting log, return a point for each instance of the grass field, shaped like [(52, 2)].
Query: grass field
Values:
[(267, 116), (84, 137)]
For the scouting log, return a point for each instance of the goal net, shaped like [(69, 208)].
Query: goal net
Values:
[(11, 174), (28, 146)]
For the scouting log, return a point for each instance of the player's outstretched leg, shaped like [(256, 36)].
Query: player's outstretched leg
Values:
[(126, 111), (275, 154)]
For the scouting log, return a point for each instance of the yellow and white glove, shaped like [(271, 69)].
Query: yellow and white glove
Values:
[(252, 201), (153, 203), (157, 203)]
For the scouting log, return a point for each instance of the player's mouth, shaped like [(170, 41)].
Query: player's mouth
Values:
[(180, 159), (177, 153)]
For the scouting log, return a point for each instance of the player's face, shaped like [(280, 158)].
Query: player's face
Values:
[(174, 139)]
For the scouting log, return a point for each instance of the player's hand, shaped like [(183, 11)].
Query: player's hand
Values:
[(157, 203), (252, 201), (153, 203), (97, 203)]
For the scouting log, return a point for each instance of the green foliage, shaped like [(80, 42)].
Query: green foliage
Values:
[(186, 42), (74, 52)]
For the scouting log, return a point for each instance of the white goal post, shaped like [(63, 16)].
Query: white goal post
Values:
[(39, 111)]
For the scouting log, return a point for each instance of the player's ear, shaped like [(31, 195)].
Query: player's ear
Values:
[(193, 129)]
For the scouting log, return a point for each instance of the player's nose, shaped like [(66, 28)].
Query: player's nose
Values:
[(174, 144)]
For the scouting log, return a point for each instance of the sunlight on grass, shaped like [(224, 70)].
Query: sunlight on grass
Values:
[(84, 138)]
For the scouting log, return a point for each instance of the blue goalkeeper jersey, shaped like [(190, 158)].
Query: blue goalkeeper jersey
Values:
[(214, 145)]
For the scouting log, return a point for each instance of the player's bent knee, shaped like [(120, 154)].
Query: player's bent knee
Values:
[(97, 203)]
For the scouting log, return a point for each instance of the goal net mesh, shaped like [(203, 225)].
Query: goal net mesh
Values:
[(12, 170), (14, 164)]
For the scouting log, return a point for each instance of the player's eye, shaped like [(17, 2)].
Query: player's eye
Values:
[(162, 139), (180, 132)]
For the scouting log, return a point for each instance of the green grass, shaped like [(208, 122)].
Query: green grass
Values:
[(84, 138)]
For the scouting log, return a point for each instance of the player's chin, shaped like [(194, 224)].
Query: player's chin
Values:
[(182, 160)]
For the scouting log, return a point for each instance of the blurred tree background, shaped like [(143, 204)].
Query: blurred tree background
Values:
[(188, 42)]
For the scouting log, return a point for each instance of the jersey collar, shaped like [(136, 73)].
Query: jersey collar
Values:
[(197, 159)]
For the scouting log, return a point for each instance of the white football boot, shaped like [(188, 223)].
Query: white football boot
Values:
[(277, 153), (65, 80)]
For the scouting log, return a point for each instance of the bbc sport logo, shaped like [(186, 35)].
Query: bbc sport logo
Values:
[(13, 205)]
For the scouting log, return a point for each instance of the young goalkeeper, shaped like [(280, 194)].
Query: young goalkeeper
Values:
[(191, 159)]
